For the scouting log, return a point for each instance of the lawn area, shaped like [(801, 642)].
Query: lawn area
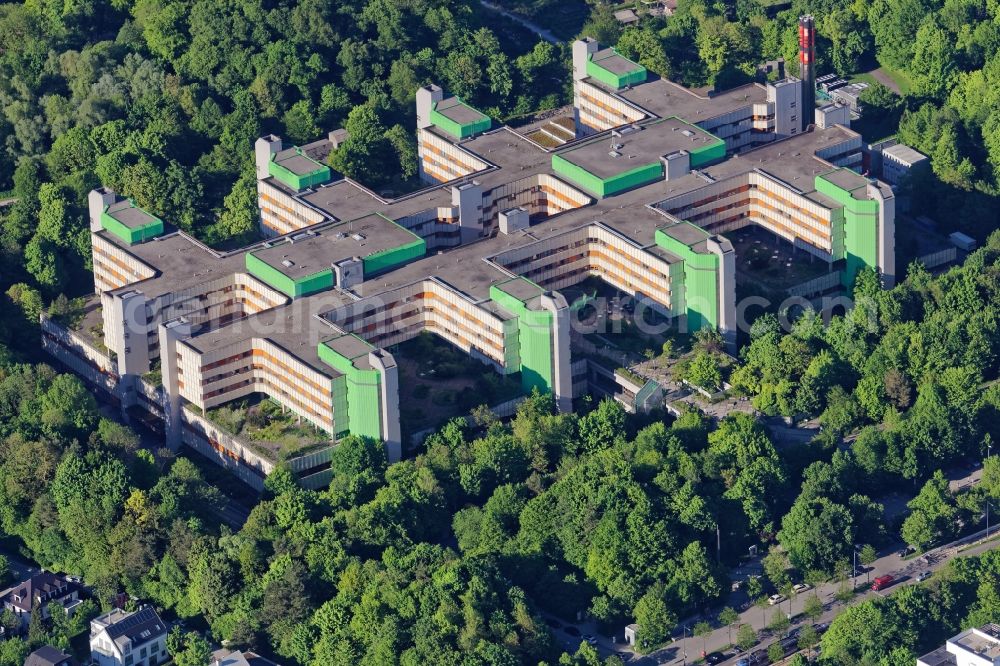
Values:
[(269, 428), (901, 79)]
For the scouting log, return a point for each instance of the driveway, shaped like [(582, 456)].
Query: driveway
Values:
[(886, 80), (20, 569)]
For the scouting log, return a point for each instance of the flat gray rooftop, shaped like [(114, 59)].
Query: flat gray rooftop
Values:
[(665, 98), (521, 289), (295, 162), (850, 181), (344, 200), (454, 109), (295, 327), (904, 154), (610, 60), (985, 644), (180, 262), (791, 161), (351, 347), (688, 234), (129, 214), (939, 657), (638, 148), (307, 253)]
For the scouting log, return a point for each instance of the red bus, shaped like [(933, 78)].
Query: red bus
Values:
[(882, 582)]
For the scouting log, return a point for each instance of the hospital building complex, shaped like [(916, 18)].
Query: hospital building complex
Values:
[(639, 187)]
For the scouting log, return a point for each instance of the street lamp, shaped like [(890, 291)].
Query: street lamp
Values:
[(989, 449), (854, 571)]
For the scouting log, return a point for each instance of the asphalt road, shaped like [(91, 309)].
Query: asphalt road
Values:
[(903, 570), (890, 562)]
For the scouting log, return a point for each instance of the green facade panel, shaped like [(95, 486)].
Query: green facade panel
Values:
[(341, 414), (378, 262), (699, 296), (364, 402), (357, 394), (293, 288), (534, 337), (643, 175), (708, 154), (321, 174), (859, 225), (134, 234)]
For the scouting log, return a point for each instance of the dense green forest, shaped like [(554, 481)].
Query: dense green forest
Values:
[(162, 100)]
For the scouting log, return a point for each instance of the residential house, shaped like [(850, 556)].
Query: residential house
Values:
[(49, 656), (121, 638), (627, 16), (226, 657), (972, 647), (41, 589)]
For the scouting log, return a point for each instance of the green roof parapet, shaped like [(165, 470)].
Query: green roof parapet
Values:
[(457, 118), (293, 287), (297, 170), (615, 70), (130, 223)]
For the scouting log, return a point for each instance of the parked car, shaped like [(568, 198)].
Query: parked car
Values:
[(922, 576), (775, 599), (801, 587), (882, 582), (590, 639), (624, 656), (789, 643), (906, 551), (820, 627), (715, 658), (571, 630)]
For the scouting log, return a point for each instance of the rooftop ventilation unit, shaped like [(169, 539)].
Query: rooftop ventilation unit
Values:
[(687, 132), (358, 237), (615, 154), (287, 263)]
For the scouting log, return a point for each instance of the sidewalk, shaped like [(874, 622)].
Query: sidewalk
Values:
[(904, 571)]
